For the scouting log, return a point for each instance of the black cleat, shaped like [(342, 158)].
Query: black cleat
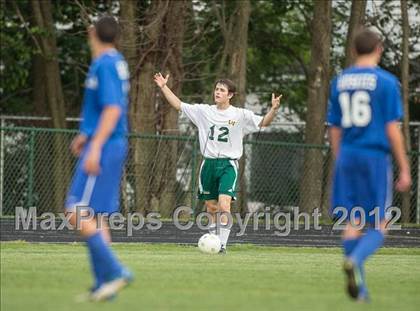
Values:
[(222, 251), (354, 279)]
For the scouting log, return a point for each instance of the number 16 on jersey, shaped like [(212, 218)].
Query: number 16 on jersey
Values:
[(356, 110)]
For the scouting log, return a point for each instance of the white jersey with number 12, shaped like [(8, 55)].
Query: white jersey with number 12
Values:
[(221, 132)]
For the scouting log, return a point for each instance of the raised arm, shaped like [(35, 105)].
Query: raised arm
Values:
[(398, 149), (172, 99), (269, 117)]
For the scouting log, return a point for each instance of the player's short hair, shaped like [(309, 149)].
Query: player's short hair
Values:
[(366, 41), (107, 29), (228, 83)]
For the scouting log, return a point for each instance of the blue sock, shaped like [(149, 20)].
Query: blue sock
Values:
[(363, 289), (368, 244), (349, 245), (105, 261), (99, 277)]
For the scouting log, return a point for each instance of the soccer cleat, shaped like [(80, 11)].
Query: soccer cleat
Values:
[(87, 296), (363, 299), (95, 288), (363, 296), (222, 251), (354, 278), (109, 289)]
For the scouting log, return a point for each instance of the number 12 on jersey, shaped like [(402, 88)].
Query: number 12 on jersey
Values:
[(355, 109), (223, 136)]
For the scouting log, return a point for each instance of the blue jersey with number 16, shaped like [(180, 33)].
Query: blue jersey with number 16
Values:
[(362, 101)]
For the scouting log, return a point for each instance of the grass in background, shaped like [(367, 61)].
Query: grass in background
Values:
[(172, 277)]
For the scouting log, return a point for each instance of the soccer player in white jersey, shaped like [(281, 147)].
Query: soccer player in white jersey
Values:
[(221, 128)]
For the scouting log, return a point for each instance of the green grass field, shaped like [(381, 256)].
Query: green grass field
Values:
[(171, 277)]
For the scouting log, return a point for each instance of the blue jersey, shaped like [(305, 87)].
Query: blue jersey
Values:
[(107, 83), (362, 101)]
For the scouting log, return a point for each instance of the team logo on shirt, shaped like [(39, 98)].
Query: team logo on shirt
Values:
[(232, 122), (91, 83)]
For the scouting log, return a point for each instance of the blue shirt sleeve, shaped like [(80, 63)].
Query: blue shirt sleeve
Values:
[(334, 110), (392, 105), (109, 85)]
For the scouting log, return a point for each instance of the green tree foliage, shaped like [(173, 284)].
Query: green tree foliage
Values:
[(15, 61), (278, 48)]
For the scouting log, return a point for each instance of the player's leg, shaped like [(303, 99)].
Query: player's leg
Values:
[(105, 265), (87, 228), (101, 193), (104, 227), (207, 189), (355, 276), (344, 198), (105, 199), (351, 236), (211, 208), (375, 195), (228, 176), (368, 244), (224, 228), (78, 196)]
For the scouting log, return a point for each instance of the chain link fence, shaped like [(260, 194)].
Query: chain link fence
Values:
[(162, 173)]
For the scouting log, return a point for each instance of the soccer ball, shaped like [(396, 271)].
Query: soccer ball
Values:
[(209, 243)]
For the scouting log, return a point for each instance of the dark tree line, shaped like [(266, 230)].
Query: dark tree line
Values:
[(289, 46)]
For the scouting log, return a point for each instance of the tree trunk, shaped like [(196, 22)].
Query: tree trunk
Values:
[(356, 21), (165, 174), (42, 13), (311, 184), (128, 46), (357, 16), (39, 97), (405, 75), (239, 41), (142, 101), (235, 33), (159, 48)]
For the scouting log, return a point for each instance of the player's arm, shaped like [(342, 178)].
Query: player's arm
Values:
[(172, 99), (108, 96), (396, 140), (107, 123), (334, 134), (269, 117), (334, 117), (78, 143)]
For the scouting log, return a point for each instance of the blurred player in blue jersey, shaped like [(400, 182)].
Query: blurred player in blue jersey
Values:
[(101, 147), (365, 107)]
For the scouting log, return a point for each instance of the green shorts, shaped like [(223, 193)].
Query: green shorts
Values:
[(217, 176)]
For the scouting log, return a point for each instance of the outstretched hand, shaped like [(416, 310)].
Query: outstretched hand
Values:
[(160, 80), (275, 101)]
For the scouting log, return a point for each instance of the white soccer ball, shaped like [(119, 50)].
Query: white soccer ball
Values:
[(209, 243)]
